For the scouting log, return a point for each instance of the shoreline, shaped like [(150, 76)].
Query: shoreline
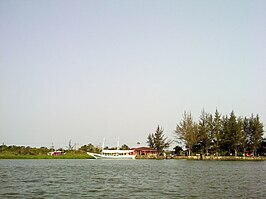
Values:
[(205, 158), (222, 158), (43, 157), (85, 156)]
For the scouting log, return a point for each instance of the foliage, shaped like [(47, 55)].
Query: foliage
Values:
[(124, 147), (157, 140), (262, 148), (150, 140), (217, 132), (224, 135), (26, 152), (90, 148), (178, 150), (187, 131), (255, 133), (205, 131), (22, 150)]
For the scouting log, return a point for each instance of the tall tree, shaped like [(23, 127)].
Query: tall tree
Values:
[(157, 140), (225, 143), (150, 140), (244, 140), (217, 129), (235, 132), (262, 149), (187, 131), (205, 130), (255, 133), (240, 138)]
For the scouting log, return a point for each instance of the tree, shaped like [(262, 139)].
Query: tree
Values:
[(255, 133), (217, 128), (89, 148), (125, 147), (225, 143), (178, 150), (244, 140), (235, 132), (187, 131), (262, 149), (157, 140), (150, 140), (240, 137), (70, 146), (205, 130)]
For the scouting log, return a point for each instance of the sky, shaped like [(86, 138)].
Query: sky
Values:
[(87, 70)]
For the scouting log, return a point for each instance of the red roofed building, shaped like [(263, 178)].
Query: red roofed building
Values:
[(145, 151)]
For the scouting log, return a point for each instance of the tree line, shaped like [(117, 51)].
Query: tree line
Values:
[(212, 135), (220, 135), (27, 150)]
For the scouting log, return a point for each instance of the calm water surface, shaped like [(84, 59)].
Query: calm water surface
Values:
[(132, 179)]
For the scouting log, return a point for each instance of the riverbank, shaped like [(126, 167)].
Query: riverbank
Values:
[(86, 156), (205, 158), (43, 156), (220, 158)]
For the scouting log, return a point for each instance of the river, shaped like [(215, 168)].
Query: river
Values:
[(132, 179)]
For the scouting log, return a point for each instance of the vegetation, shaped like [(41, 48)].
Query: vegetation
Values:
[(157, 140), (221, 135), (7, 155), (124, 147), (90, 148), (178, 150), (213, 135), (22, 152), (187, 130)]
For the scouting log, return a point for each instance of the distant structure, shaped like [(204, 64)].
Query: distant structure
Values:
[(145, 151), (56, 153)]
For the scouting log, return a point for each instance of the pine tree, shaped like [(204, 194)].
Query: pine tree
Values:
[(235, 132), (245, 140), (217, 129), (187, 131), (150, 141), (205, 130), (225, 143), (157, 140), (255, 133)]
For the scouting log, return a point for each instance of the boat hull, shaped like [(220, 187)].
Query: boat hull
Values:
[(117, 157)]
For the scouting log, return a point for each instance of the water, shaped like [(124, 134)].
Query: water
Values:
[(132, 179)]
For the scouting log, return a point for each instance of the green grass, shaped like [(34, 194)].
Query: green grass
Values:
[(44, 156)]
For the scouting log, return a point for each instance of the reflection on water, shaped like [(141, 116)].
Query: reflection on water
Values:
[(132, 179)]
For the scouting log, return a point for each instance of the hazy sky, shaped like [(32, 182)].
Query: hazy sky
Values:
[(85, 70)]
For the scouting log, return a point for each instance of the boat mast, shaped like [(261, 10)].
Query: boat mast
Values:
[(103, 145), (117, 143)]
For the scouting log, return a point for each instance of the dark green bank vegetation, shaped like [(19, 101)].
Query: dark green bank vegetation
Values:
[(27, 152), (70, 152), (221, 135)]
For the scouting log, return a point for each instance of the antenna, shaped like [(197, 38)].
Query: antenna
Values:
[(52, 147), (117, 143), (103, 144)]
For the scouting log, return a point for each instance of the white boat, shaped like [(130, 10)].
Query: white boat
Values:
[(114, 154)]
